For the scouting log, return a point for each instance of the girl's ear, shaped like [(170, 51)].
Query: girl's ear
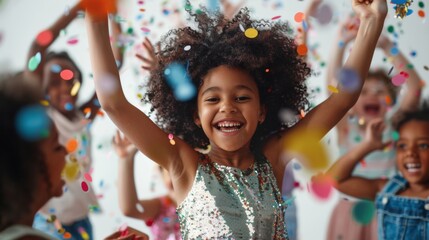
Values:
[(197, 120), (262, 114)]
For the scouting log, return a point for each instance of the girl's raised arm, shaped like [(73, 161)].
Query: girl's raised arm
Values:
[(341, 170), (327, 114), (141, 131)]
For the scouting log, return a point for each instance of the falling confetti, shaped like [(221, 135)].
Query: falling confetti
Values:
[(363, 212), (75, 89), (333, 89), (71, 145), (44, 38), (67, 74), (84, 186), (251, 33), (33, 123), (349, 79), (34, 62)]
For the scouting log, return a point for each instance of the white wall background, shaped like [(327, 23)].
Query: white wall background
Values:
[(21, 20)]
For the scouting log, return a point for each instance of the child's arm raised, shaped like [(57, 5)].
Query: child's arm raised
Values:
[(327, 114), (342, 169), (411, 99), (128, 199), (180, 160), (41, 45)]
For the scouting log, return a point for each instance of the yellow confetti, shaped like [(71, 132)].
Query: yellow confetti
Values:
[(75, 89), (44, 103), (306, 146), (71, 171), (333, 89), (251, 33), (172, 142)]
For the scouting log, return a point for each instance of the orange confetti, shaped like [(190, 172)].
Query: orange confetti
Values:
[(421, 13), (302, 50), (44, 38), (299, 17), (302, 113), (99, 8), (67, 235), (142, 9), (71, 145), (388, 100), (100, 113)]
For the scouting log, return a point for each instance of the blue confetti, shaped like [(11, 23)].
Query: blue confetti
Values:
[(33, 123)]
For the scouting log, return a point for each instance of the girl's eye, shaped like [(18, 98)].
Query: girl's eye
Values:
[(424, 146), (212, 99), (242, 98), (400, 146)]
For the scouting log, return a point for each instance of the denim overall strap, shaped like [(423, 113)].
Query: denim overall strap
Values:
[(401, 217)]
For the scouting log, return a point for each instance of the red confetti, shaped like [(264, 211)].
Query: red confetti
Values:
[(88, 177), (99, 8), (67, 74), (44, 38), (276, 17), (73, 41), (84, 186)]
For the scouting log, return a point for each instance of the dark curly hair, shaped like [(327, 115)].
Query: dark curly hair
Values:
[(421, 114), (22, 162), (271, 59)]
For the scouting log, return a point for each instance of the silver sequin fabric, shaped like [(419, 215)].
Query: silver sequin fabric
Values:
[(229, 203)]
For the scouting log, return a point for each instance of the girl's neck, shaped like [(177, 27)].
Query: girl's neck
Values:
[(238, 159), (417, 190)]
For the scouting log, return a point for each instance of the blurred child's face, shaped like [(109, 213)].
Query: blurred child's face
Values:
[(56, 88), (372, 100), (229, 108), (412, 151), (54, 155)]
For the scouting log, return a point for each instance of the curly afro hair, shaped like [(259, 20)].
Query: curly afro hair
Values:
[(271, 58)]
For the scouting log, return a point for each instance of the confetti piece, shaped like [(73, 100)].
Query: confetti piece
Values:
[(322, 187), (32, 123), (139, 207), (73, 41), (388, 100), (363, 212), (299, 17), (302, 50), (333, 89), (145, 29), (399, 79), (251, 33), (187, 48), (44, 103), (349, 79), (71, 171), (68, 106), (179, 80), (66, 74), (88, 177), (306, 146), (67, 235), (75, 89), (324, 14), (44, 38), (170, 136), (395, 136), (84, 186), (172, 142), (276, 17), (55, 68), (421, 13), (71, 145), (34, 62)]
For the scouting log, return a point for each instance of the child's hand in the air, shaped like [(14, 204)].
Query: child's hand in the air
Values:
[(123, 147), (374, 134), (149, 62), (366, 9), (348, 29)]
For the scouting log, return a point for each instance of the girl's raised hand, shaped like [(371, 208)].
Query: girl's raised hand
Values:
[(349, 29), (374, 134), (123, 147), (370, 8), (149, 62)]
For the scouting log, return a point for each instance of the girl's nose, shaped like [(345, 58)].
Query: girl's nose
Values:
[(228, 107)]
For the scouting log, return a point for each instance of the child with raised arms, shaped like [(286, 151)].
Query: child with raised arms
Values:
[(242, 82)]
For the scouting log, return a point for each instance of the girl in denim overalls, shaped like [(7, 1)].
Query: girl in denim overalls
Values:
[(402, 202)]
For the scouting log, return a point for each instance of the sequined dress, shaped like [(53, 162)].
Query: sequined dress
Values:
[(229, 203)]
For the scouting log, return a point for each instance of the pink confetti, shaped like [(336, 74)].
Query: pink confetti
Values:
[(145, 29), (276, 17), (321, 188), (399, 79), (73, 40), (88, 177)]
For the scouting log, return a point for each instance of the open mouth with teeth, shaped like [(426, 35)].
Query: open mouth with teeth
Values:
[(228, 126), (412, 167), (372, 109)]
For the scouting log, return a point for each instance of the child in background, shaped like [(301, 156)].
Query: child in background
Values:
[(61, 79), (377, 100), (401, 201), (158, 213), (242, 82), (31, 158)]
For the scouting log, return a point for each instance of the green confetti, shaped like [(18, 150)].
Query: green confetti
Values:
[(34, 62), (395, 136), (363, 212)]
